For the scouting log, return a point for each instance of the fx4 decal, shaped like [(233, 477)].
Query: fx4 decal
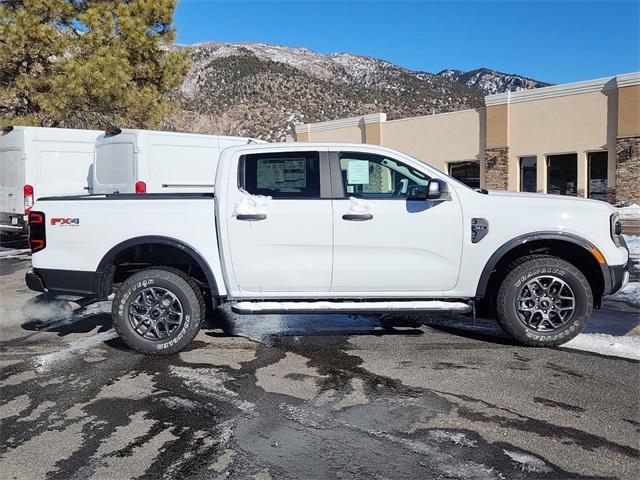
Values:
[(72, 222)]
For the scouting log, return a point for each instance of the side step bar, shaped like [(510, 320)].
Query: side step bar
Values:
[(246, 307)]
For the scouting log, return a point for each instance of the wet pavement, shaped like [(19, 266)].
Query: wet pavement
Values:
[(306, 396)]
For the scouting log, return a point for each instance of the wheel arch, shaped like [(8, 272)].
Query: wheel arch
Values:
[(559, 244), (107, 265)]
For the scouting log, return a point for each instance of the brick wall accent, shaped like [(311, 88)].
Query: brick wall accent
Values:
[(496, 168), (628, 169)]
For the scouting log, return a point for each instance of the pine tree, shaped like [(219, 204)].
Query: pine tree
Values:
[(88, 63)]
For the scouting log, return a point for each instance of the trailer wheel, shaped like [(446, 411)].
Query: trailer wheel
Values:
[(544, 301), (158, 311)]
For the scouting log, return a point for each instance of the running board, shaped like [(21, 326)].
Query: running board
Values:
[(350, 307)]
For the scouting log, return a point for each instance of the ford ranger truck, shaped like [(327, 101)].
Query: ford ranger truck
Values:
[(303, 227)]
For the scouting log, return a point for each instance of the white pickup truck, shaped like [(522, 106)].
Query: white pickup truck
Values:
[(326, 228)]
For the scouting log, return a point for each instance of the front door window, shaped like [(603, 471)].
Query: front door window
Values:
[(376, 177)]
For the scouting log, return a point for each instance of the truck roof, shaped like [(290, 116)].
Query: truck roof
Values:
[(310, 145), (139, 131)]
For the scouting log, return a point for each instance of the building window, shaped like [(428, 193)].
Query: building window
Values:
[(281, 175), (466, 172), (598, 175), (528, 174), (562, 174)]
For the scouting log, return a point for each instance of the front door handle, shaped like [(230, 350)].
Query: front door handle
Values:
[(357, 217), (253, 217)]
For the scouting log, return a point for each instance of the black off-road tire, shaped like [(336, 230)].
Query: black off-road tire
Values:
[(182, 286), (529, 268)]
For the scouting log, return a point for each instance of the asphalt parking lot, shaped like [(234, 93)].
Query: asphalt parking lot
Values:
[(307, 396)]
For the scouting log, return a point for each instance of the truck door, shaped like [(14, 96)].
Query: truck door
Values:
[(283, 244), (385, 242)]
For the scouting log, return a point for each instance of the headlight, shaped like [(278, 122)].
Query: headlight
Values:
[(616, 230)]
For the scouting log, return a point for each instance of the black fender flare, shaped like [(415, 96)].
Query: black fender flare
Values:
[(534, 236), (108, 258)]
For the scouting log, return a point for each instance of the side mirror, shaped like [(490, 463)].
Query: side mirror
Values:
[(434, 190), (437, 189), (417, 192)]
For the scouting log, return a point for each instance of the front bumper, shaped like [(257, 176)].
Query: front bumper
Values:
[(618, 278)]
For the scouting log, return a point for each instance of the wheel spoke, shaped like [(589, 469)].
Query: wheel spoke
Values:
[(545, 303), (150, 318)]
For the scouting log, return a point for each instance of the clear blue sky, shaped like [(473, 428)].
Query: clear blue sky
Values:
[(554, 41)]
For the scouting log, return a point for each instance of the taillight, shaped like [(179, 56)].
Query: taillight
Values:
[(37, 237), (141, 187), (27, 192)]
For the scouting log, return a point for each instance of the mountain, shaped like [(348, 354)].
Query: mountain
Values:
[(490, 81), (262, 90)]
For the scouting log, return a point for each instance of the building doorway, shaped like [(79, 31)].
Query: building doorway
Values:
[(467, 172), (528, 174), (562, 174), (598, 175)]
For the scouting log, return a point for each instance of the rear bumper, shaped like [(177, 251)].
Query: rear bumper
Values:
[(618, 278), (10, 227), (67, 282)]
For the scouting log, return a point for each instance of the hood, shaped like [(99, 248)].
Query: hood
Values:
[(544, 196)]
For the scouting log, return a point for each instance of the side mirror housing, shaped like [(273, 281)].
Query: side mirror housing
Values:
[(437, 189), (434, 190)]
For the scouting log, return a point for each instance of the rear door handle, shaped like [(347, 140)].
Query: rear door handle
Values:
[(253, 217), (357, 217)]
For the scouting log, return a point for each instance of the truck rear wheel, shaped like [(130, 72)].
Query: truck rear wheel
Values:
[(544, 301), (158, 311)]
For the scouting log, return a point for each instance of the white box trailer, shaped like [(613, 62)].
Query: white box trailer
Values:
[(41, 162), (146, 161)]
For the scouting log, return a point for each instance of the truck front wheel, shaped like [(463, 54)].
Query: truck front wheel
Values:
[(544, 301), (158, 311)]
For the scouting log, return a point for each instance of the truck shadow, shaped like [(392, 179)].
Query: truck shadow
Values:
[(17, 242), (56, 314), (265, 327)]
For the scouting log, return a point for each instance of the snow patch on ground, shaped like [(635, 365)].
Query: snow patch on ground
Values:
[(44, 363), (456, 438), (22, 254), (527, 462), (180, 403), (629, 212), (210, 382), (629, 294), (625, 347), (251, 204), (633, 244)]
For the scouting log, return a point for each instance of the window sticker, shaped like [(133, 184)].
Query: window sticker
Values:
[(358, 172)]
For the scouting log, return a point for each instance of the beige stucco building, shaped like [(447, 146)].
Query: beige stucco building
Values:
[(575, 139)]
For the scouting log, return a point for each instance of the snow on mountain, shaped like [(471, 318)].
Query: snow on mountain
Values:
[(491, 81), (261, 90)]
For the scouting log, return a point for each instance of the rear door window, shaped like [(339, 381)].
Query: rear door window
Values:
[(115, 164), (281, 175)]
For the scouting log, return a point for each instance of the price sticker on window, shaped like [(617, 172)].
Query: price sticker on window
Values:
[(358, 172)]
